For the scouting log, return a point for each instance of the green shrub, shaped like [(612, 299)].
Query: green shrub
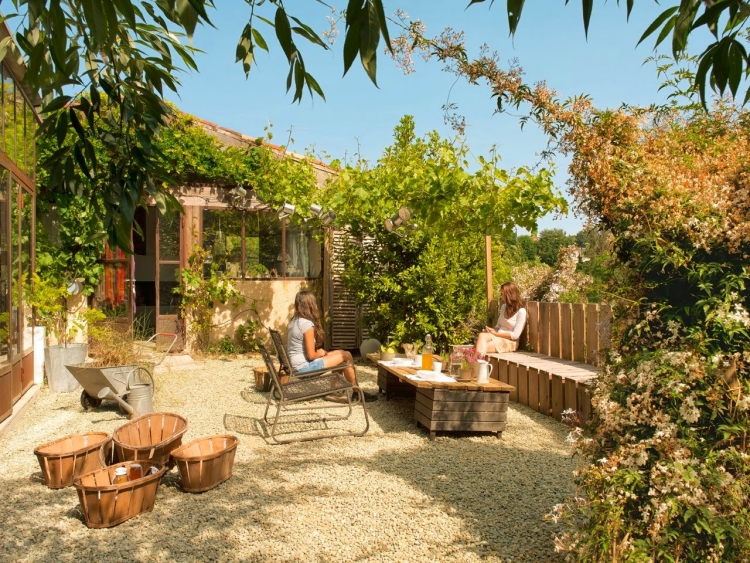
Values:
[(223, 347)]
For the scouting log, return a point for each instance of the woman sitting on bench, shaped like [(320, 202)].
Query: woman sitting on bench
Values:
[(510, 323)]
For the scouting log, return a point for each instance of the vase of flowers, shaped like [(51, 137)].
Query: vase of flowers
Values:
[(469, 365)]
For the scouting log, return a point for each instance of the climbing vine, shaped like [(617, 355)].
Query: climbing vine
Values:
[(70, 229), (201, 294)]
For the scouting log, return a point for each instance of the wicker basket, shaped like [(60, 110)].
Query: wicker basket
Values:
[(64, 459), (205, 462), (104, 504), (150, 437)]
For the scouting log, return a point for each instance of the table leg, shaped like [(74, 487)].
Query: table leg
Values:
[(432, 435)]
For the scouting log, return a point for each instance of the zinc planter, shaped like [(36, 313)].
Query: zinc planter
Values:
[(39, 340), (56, 358)]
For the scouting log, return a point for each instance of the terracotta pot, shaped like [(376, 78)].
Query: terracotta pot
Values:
[(464, 373)]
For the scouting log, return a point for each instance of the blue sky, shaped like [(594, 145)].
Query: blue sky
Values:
[(550, 45)]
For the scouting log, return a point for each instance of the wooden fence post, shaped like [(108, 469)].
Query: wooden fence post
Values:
[(532, 311), (544, 338), (592, 334), (554, 330), (579, 332), (566, 331)]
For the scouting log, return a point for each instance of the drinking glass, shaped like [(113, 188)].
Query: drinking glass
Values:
[(410, 350)]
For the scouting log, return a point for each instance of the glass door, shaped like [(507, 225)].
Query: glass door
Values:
[(168, 238)]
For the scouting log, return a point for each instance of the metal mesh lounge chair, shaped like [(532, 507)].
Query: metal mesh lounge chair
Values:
[(287, 396), (286, 363)]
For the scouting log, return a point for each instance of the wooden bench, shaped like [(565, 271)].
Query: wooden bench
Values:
[(559, 356)]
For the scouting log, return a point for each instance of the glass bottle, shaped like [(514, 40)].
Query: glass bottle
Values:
[(121, 475), (427, 353), (136, 471)]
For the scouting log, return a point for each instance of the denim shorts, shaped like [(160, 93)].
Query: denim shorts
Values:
[(317, 363)]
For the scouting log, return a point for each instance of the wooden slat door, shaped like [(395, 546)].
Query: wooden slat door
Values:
[(343, 313)]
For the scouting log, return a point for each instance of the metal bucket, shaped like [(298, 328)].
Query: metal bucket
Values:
[(141, 398), (56, 358)]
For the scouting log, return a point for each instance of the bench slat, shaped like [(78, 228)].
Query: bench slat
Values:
[(533, 378), (513, 380), (522, 373), (557, 399), (545, 392)]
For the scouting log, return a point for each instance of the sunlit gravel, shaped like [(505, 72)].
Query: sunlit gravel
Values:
[(390, 496)]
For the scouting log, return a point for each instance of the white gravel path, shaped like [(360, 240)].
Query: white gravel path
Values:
[(390, 496)]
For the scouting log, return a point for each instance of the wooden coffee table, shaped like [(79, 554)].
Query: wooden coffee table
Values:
[(451, 406)]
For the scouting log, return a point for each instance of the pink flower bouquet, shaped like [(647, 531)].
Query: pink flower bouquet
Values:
[(470, 356)]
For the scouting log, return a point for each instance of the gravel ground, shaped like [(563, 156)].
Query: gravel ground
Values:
[(391, 495)]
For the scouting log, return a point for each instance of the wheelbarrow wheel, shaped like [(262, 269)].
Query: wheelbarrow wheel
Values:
[(88, 402)]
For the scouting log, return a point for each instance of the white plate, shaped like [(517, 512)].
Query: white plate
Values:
[(434, 376)]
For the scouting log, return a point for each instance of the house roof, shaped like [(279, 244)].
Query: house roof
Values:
[(233, 138)]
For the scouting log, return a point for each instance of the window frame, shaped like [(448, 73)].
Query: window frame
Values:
[(282, 275)]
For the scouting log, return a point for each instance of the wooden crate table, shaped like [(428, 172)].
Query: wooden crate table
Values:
[(453, 406)]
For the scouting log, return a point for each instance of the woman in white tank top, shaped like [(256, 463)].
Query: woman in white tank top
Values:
[(510, 323)]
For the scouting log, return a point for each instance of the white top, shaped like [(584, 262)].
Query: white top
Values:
[(514, 324), (295, 341)]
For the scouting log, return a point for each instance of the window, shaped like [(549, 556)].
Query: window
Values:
[(9, 116), (304, 258), (4, 273), (15, 270), (27, 200), (257, 244)]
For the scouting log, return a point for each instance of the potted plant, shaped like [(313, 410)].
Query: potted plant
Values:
[(469, 365), (50, 305), (388, 350)]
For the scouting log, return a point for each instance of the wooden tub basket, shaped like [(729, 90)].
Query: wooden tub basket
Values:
[(206, 462), (68, 457), (105, 504), (150, 437)]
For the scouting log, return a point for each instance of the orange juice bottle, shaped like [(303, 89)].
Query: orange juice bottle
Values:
[(427, 353)]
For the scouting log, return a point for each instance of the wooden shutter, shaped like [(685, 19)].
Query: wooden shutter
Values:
[(343, 313)]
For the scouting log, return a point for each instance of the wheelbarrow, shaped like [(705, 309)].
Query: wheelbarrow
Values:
[(116, 383)]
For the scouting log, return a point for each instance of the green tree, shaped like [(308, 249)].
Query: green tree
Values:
[(128, 49), (549, 244), (529, 247), (430, 279)]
